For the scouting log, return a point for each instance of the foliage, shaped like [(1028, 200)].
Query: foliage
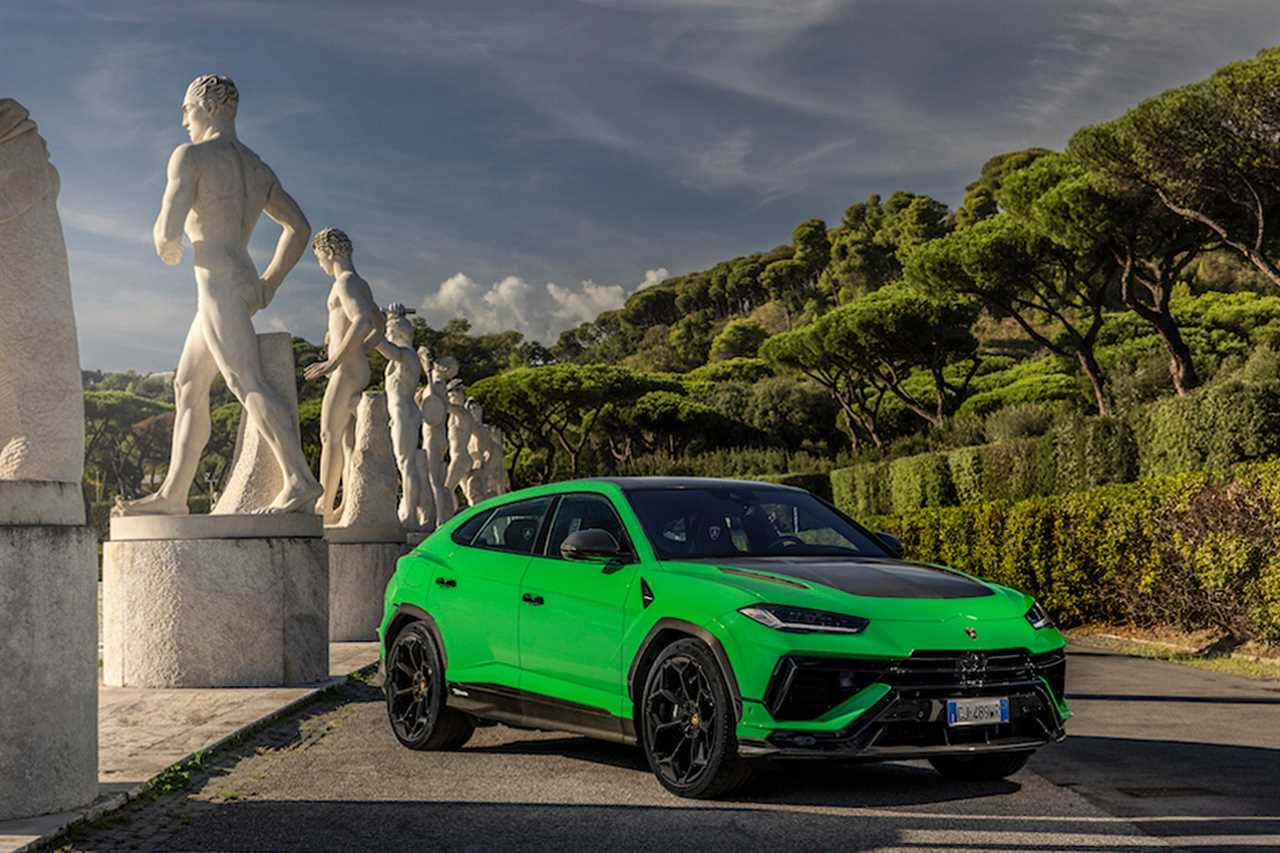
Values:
[(739, 338), (920, 481), (1194, 550), (1213, 427)]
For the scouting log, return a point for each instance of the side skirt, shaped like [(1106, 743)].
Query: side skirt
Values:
[(521, 709)]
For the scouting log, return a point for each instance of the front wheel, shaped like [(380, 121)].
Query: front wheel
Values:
[(687, 723), (980, 768), (415, 694)]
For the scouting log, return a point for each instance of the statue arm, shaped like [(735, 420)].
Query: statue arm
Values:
[(179, 196), (362, 329), (293, 239)]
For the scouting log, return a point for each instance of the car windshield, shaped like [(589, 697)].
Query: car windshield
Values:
[(732, 521)]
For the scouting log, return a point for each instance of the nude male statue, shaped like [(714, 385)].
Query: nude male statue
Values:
[(217, 189), (461, 427), (480, 484), (355, 329), (434, 404), (401, 379)]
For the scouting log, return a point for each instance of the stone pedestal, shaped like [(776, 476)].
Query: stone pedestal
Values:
[(215, 601), (49, 684), (358, 575)]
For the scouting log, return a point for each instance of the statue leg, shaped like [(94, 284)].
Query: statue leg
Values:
[(337, 439), (191, 425), (230, 337), (404, 434)]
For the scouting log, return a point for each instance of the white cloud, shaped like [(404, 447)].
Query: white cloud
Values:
[(539, 313), (652, 277)]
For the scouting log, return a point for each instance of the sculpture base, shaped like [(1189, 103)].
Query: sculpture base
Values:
[(49, 686), (286, 525), (41, 502), (358, 575), (224, 612)]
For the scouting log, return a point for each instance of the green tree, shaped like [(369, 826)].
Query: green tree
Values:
[(738, 339), (1056, 294), (1210, 151)]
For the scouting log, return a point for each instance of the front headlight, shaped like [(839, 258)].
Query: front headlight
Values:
[(801, 620), (1039, 617)]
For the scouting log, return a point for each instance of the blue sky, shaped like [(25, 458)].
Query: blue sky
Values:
[(528, 163)]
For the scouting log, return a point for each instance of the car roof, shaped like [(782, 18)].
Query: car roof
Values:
[(635, 484)]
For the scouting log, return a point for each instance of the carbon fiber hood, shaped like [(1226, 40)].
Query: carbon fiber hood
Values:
[(876, 578)]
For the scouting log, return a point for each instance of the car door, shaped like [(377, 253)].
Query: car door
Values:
[(572, 611), (477, 591)]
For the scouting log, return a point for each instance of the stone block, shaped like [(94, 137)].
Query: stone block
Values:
[(358, 575), (49, 683), (215, 612)]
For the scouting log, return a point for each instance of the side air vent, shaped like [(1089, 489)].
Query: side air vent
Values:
[(646, 594), (805, 688)]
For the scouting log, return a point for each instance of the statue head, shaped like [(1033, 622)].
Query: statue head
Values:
[(457, 392), (210, 103), (476, 410), (329, 245), (399, 328)]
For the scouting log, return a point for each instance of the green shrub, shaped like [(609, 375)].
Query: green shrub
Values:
[(1026, 420), (1193, 550), (919, 481), (861, 491), (1092, 451), (1018, 469), (1213, 427)]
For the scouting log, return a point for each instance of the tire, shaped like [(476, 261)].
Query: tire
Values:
[(415, 684), (980, 768), (687, 724)]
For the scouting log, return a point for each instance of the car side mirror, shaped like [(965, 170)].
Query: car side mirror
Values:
[(891, 543), (591, 544)]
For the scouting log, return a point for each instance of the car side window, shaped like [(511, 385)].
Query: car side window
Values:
[(467, 531), (513, 527), (585, 511)]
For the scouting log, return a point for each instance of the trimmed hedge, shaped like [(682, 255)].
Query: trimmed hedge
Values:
[(920, 481), (1194, 550), (1213, 427), (1078, 454)]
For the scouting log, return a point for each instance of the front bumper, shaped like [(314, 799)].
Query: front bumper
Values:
[(903, 713)]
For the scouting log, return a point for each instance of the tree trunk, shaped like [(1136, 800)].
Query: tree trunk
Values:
[(1089, 364), (1181, 368)]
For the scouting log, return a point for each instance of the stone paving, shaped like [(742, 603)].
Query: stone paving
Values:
[(142, 732), (1159, 757)]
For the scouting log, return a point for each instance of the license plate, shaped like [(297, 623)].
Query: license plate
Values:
[(977, 712)]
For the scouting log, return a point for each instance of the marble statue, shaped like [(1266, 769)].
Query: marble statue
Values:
[(369, 502), (355, 329), (461, 426), (217, 190), (41, 406), (434, 405), (402, 375), (475, 485), (499, 479)]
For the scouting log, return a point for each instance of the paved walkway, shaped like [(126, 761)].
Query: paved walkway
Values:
[(1158, 756), (141, 732)]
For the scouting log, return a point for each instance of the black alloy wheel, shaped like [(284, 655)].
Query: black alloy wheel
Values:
[(688, 724), (415, 694)]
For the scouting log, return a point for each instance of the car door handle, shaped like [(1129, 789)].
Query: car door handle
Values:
[(446, 582), (531, 599)]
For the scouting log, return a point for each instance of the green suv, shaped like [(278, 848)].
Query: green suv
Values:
[(713, 623)]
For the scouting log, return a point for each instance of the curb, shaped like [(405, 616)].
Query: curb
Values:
[(118, 801)]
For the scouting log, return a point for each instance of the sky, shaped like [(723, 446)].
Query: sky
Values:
[(527, 164)]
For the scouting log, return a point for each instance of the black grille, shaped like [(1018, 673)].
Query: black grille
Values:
[(961, 673), (804, 688)]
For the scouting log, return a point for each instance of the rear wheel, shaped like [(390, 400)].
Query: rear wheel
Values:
[(416, 697), (687, 723), (980, 768)]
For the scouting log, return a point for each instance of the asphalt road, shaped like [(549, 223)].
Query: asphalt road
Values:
[(1159, 755)]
